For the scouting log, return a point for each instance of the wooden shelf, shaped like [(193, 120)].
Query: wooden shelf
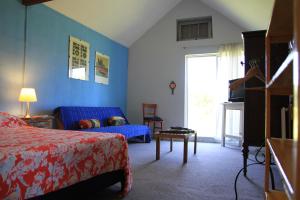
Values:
[(276, 195), (281, 28), (284, 152), (33, 2), (262, 89), (282, 83)]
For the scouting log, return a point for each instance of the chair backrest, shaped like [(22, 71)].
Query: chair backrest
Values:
[(149, 110)]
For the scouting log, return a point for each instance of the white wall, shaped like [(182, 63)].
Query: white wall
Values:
[(156, 59)]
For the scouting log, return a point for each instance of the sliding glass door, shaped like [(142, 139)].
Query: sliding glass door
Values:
[(201, 94)]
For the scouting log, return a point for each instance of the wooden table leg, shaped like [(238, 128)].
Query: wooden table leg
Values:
[(245, 151), (195, 144), (171, 144), (185, 150), (223, 126), (157, 148)]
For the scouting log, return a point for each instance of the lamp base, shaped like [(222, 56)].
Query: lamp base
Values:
[(27, 115)]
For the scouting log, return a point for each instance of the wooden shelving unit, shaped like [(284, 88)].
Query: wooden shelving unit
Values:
[(276, 195), (286, 155), (281, 82), (284, 27)]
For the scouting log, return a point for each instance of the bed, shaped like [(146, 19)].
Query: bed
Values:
[(36, 161)]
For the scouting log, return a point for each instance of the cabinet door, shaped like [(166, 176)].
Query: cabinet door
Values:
[(254, 116)]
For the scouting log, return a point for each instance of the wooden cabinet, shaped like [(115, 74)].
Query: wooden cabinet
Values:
[(283, 81), (40, 121), (254, 101)]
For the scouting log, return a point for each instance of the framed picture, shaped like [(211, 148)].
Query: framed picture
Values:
[(79, 59), (101, 68)]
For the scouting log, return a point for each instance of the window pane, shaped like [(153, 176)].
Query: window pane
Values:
[(194, 28)]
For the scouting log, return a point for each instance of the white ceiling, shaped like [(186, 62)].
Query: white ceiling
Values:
[(249, 14), (125, 21)]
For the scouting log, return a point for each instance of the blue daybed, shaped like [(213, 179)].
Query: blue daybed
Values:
[(68, 118)]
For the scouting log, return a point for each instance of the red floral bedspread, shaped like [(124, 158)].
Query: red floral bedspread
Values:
[(35, 161)]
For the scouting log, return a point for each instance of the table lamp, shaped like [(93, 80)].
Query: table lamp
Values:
[(27, 95)]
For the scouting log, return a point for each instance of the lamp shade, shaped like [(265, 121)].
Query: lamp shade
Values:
[(27, 95)]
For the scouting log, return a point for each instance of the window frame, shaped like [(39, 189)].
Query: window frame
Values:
[(192, 21)]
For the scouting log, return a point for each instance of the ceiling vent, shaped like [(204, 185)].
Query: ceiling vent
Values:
[(194, 28)]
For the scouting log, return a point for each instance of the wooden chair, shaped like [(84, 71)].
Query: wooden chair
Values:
[(150, 117)]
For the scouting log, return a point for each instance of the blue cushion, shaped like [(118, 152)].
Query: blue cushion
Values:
[(128, 131)]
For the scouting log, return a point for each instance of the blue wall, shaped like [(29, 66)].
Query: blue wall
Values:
[(46, 67)]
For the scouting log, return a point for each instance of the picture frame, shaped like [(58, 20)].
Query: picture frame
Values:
[(79, 59), (102, 65)]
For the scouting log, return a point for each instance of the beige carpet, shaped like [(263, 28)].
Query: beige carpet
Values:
[(209, 175)]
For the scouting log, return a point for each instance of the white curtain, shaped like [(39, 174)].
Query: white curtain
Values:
[(229, 67)]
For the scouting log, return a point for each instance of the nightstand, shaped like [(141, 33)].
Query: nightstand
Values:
[(43, 121)]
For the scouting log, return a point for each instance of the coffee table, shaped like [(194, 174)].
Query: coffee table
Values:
[(178, 134)]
